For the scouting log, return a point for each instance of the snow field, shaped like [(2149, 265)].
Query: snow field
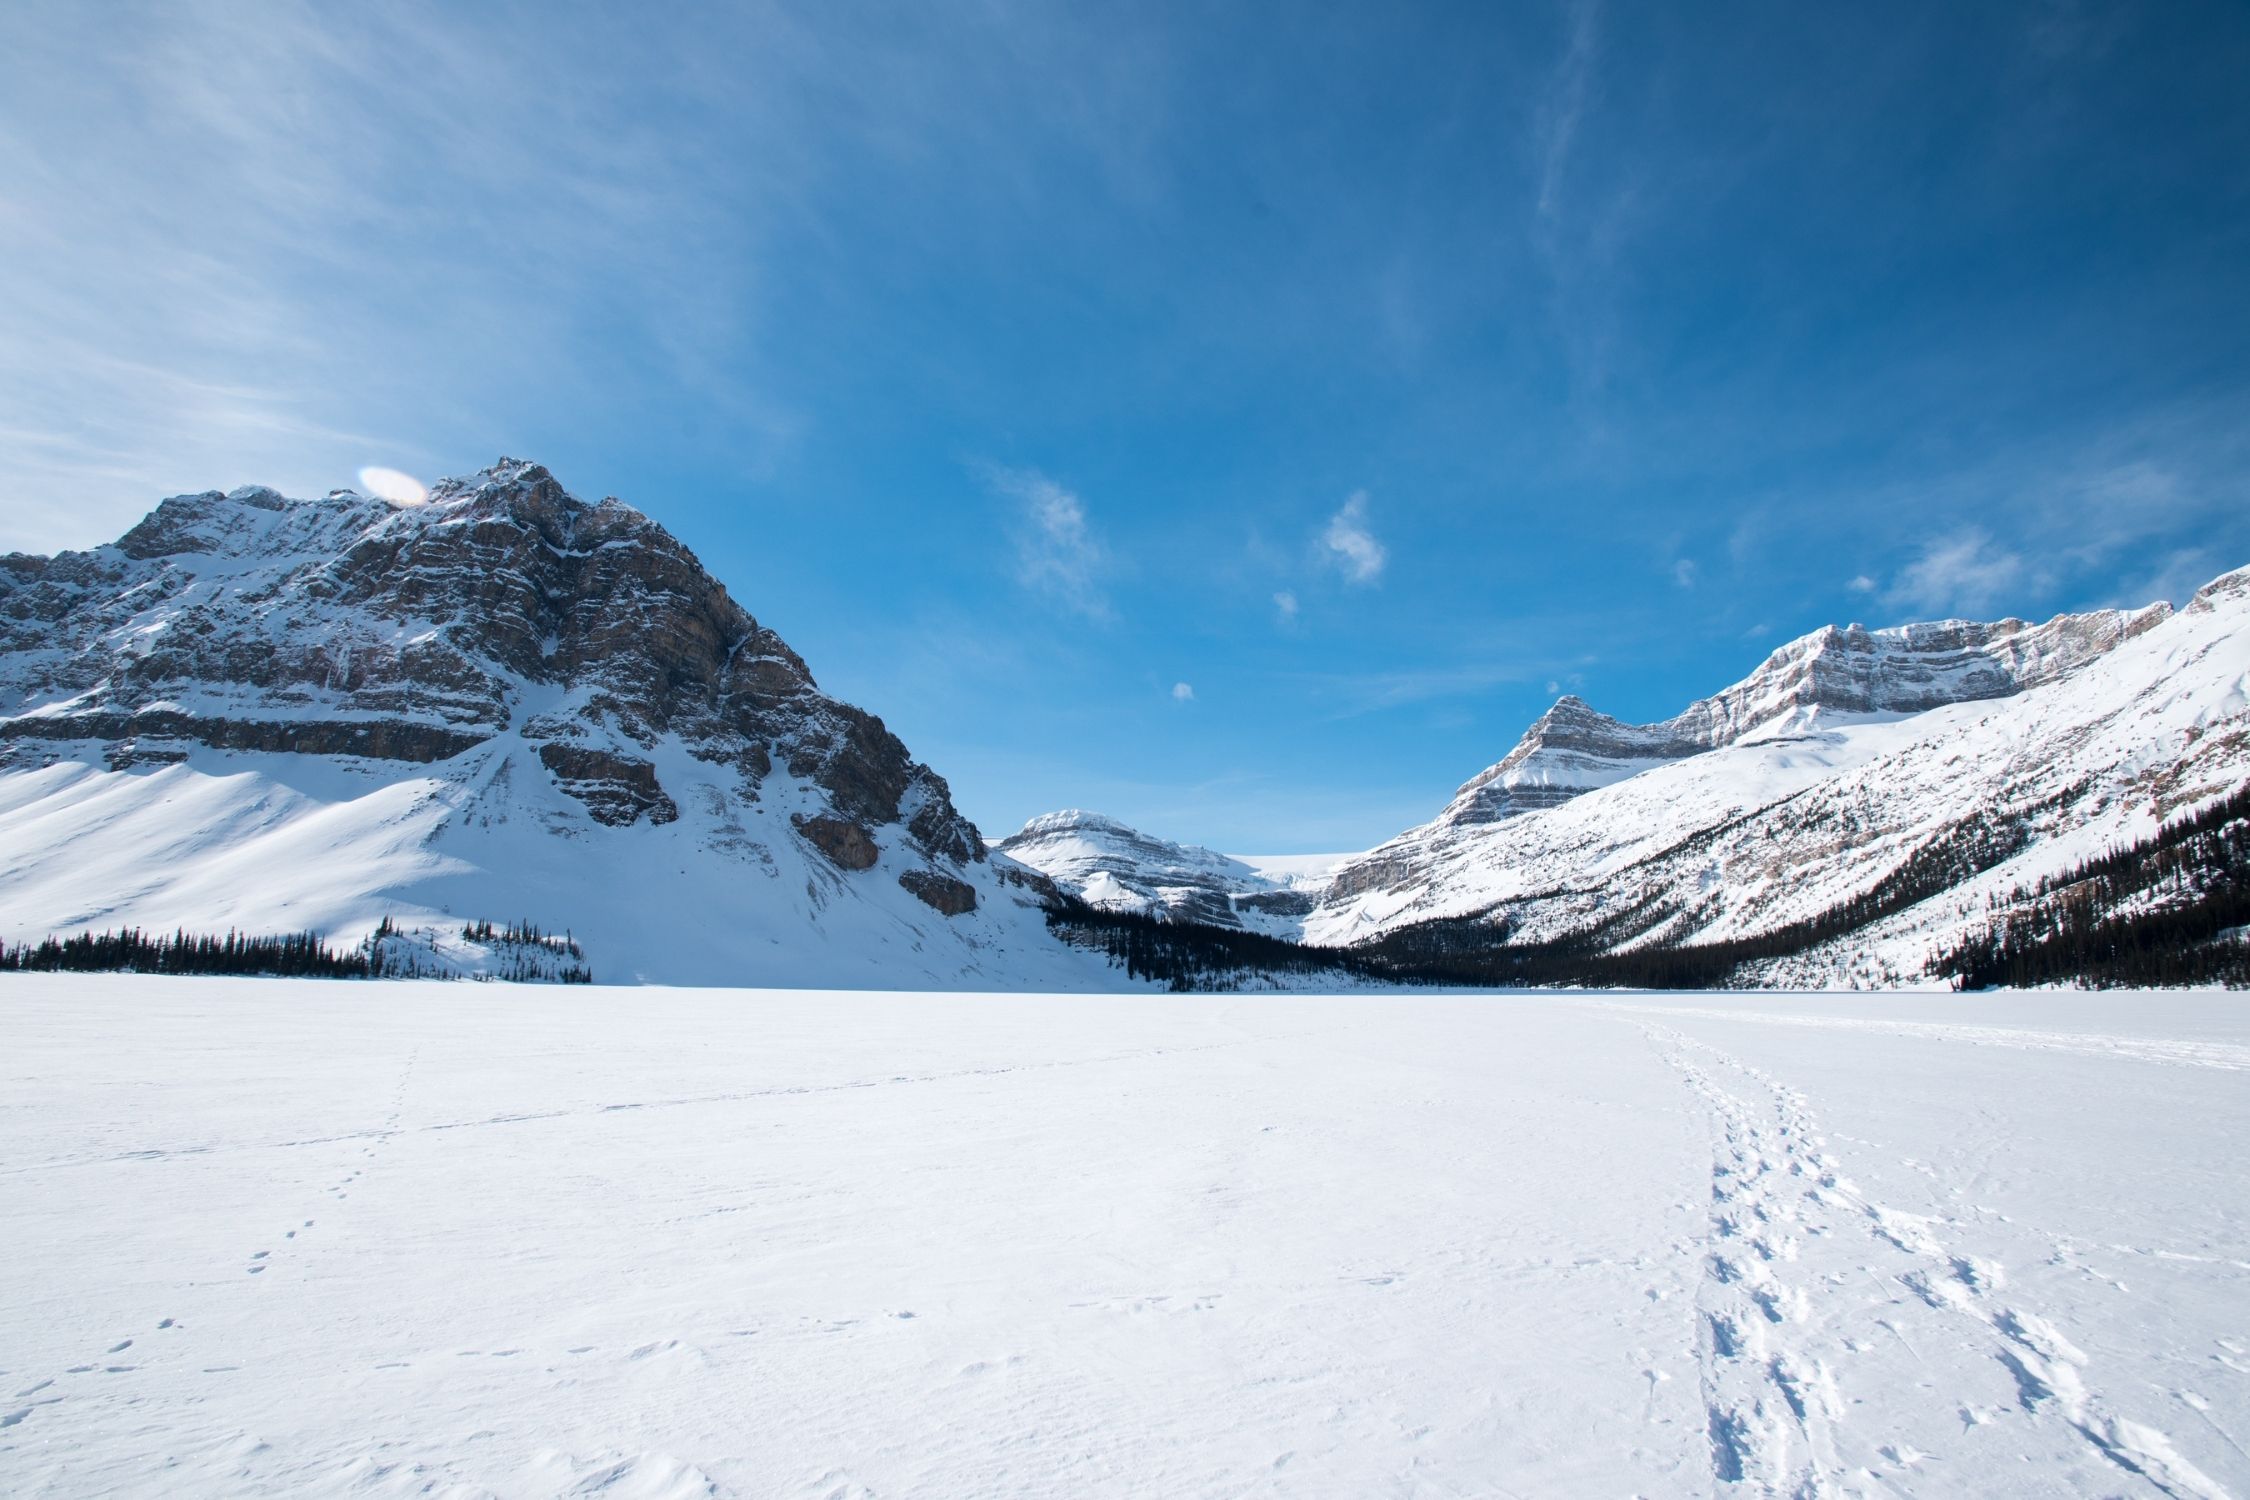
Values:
[(401, 1239)]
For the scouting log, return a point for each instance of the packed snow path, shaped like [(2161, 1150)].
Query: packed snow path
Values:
[(270, 1238)]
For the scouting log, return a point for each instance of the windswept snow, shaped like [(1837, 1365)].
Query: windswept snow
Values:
[(270, 843), (274, 1238)]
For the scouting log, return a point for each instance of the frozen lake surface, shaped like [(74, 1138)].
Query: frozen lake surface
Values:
[(267, 1238)]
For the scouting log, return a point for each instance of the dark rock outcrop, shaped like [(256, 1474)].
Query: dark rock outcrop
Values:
[(941, 893), (616, 789), (847, 845)]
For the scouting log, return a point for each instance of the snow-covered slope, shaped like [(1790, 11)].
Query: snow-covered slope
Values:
[(1116, 868), (1832, 676), (508, 703), (1808, 802)]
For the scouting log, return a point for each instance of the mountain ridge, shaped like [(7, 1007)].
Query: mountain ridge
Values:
[(510, 705), (504, 655), (1823, 826), (1835, 670)]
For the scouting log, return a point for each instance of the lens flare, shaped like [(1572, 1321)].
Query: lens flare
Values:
[(391, 485)]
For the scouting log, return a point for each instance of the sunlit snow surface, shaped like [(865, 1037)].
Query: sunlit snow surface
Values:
[(269, 1238)]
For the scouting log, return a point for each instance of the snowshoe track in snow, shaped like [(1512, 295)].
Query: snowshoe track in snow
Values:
[(1773, 1366)]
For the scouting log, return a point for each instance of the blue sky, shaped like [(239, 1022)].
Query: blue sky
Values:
[(1241, 419)]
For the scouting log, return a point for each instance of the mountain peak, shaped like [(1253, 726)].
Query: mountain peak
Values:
[(1846, 670), (504, 606), (1108, 864), (498, 668)]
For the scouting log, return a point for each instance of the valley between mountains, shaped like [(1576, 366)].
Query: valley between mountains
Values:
[(402, 728)]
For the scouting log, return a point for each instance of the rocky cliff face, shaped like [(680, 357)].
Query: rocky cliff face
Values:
[(534, 654), (1827, 677), (503, 607)]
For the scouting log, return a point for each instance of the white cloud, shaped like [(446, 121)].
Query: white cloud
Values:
[(1554, 687), (1285, 605), (1964, 574), (1684, 572), (1182, 693), (1861, 585), (391, 485), (1056, 550), (1351, 545)]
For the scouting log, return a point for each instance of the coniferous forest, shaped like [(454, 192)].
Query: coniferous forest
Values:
[(517, 951), (290, 955), (2171, 909)]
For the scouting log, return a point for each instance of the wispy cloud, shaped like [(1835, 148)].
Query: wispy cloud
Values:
[(185, 189), (1564, 107), (1285, 606), (1584, 213), (259, 284), (1684, 572), (1350, 545), (1963, 574), (1182, 693), (1057, 553), (2062, 523)]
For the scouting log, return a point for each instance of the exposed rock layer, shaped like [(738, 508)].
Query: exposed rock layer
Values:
[(505, 606)]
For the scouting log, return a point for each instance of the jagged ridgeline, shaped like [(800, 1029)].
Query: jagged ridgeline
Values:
[(274, 715)]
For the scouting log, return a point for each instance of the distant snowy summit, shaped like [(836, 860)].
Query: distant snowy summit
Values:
[(504, 703), (1116, 868)]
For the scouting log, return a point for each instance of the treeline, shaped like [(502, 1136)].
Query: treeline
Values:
[(518, 951), (2188, 888), (522, 934), (129, 950), (1477, 950), (1190, 956), (1481, 951), (2162, 911)]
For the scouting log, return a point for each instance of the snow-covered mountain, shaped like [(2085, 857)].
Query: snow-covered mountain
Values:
[(1834, 675), (1850, 812), (507, 703), (1879, 793), (1116, 868)]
